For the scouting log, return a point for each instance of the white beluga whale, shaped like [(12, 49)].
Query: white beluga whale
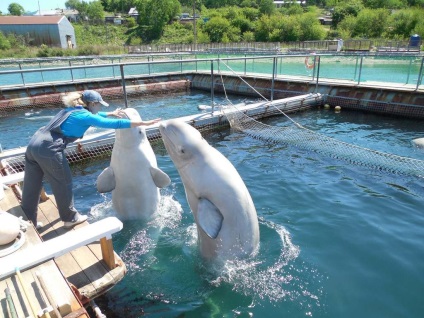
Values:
[(418, 142), (133, 175), (226, 219)]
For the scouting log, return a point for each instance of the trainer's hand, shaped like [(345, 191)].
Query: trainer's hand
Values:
[(153, 121), (119, 113)]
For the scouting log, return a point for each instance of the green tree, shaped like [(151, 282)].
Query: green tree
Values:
[(95, 11), (266, 6), (386, 4), (346, 27), (416, 3), (292, 9), (242, 23), (217, 28), (15, 9), (402, 23), (72, 4), (248, 36), (251, 14), (4, 42), (118, 5), (371, 23), (310, 28), (350, 7), (249, 4), (154, 15), (264, 28), (288, 30)]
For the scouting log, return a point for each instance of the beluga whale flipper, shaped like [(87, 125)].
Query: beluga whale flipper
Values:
[(133, 175), (226, 219)]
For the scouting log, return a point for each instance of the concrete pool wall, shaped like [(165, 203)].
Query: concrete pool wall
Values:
[(383, 98)]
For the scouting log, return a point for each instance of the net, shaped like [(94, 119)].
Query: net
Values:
[(297, 135)]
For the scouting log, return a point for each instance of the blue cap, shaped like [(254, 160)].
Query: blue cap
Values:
[(93, 97)]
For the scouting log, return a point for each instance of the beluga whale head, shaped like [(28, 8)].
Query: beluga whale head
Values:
[(226, 219)]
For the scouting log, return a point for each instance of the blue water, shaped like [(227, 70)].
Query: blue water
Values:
[(336, 240)]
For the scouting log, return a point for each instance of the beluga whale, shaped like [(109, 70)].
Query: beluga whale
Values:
[(226, 219), (133, 176)]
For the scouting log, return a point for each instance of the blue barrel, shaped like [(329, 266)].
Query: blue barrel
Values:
[(414, 40)]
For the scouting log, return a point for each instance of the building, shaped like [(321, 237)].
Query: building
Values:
[(280, 4), (133, 13), (72, 14), (49, 30)]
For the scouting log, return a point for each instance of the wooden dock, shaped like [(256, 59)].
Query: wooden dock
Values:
[(71, 279)]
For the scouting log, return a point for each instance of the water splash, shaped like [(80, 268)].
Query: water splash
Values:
[(270, 280)]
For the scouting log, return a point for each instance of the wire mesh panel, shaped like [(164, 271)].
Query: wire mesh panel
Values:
[(302, 137)]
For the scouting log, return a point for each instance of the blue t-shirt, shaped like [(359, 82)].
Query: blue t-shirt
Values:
[(80, 120)]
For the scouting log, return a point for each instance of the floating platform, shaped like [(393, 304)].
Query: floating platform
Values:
[(56, 269)]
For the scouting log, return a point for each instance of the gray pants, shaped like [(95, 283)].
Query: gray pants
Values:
[(45, 157)]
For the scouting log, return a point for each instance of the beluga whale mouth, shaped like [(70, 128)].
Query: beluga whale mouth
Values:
[(225, 216)]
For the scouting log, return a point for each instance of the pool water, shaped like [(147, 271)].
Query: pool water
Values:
[(336, 240)]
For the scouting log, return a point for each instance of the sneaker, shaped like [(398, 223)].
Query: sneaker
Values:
[(39, 225), (78, 219)]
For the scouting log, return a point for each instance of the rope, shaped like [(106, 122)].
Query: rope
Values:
[(250, 86)]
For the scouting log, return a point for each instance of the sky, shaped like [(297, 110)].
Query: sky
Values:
[(32, 5)]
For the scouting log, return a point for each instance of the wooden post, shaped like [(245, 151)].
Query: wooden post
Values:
[(107, 252)]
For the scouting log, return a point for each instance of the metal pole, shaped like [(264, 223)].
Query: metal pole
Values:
[(212, 86), (274, 69), (245, 64), (42, 77), (121, 66), (356, 68), (360, 70), (318, 68), (420, 74), (22, 74), (409, 70), (194, 26), (148, 65), (72, 74)]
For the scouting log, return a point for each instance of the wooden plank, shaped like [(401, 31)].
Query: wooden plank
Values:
[(95, 271), (25, 281), (4, 308), (70, 241), (90, 275), (74, 273), (119, 271), (21, 305), (61, 293), (107, 252), (10, 204), (12, 178), (67, 263)]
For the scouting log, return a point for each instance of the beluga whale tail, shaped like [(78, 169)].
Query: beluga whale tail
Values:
[(226, 219), (133, 176)]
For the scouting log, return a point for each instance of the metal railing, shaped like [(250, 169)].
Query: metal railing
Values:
[(405, 71)]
